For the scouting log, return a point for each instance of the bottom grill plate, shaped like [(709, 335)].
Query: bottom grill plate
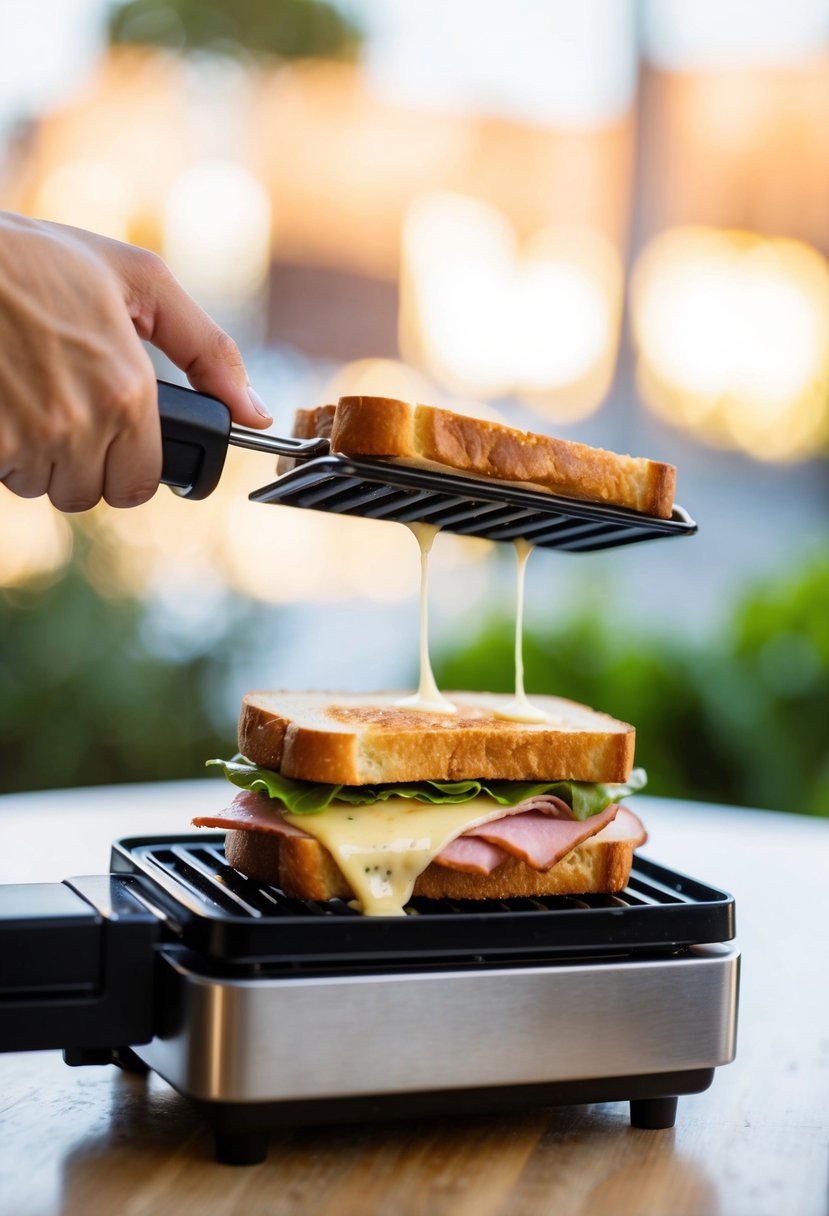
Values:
[(212, 908)]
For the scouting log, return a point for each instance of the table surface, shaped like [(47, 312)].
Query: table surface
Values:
[(96, 1140)]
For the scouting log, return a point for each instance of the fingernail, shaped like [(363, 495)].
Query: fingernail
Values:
[(258, 404)]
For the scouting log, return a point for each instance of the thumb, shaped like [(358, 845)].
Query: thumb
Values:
[(168, 318), (218, 369)]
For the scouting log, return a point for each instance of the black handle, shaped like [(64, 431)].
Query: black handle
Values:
[(194, 436), (76, 965)]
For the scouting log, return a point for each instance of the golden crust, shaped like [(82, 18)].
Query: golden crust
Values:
[(373, 426), (261, 736), (386, 427), (315, 737), (303, 869), (315, 423)]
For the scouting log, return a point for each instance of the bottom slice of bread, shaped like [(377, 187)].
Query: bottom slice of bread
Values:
[(303, 869)]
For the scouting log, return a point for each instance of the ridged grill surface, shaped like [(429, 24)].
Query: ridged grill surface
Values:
[(468, 506), (203, 871), (214, 908)]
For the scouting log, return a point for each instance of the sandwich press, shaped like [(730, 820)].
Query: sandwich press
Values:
[(196, 432), (268, 1011), (271, 1012)]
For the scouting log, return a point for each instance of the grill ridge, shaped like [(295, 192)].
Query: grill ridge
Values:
[(218, 910)]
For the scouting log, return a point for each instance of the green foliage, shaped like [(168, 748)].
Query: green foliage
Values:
[(289, 29), (84, 699), (88, 694), (742, 718)]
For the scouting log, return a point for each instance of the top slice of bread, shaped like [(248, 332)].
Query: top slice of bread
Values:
[(385, 427), (315, 423), (365, 739)]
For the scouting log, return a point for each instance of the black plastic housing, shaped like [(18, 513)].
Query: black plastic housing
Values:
[(195, 430), (76, 965)]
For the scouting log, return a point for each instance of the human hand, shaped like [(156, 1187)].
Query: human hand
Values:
[(78, 401)]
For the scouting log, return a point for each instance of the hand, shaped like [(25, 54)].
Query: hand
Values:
[(78, 401)]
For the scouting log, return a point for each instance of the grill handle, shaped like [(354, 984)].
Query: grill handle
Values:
[(194, 436), (195, 433), (76, 965)]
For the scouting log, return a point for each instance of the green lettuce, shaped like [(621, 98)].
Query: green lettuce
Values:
[(310, 797)]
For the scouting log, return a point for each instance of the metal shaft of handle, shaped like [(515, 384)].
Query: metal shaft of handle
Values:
[(196, 432), (277, 445)]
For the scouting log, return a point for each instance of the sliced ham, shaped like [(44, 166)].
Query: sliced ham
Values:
[(539, 831), (541, 840), (250, 812), (549, 804), (626, 826), (471, 854)]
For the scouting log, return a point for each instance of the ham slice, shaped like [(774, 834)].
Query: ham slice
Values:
[(472, 855), (476, 853), (556, 808), (539, 831), (250, 812), (539, 839)]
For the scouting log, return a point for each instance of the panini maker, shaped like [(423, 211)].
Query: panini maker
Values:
[(268, 1011)]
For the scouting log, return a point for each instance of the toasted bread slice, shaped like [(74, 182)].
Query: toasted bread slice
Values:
[(315, 423), (365, 739), (303, 869), (422, 434)]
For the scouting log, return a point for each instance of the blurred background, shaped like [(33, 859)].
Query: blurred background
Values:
[(605, 219)]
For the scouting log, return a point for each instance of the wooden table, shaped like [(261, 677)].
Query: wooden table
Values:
[(94, 1140)]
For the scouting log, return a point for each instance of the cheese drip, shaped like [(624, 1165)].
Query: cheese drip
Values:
[(428, 696), (383, 848), (519, 709)]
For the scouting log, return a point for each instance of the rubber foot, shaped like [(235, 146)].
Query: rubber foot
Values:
[(241, 1148), (128, 1061), (653, 1113)]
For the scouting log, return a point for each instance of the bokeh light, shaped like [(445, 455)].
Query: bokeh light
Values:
[(487, 315), (37, 540), (220, 207), (732, 339), (394, 378), (94, 194)]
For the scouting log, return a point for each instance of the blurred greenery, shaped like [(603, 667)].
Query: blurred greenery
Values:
[(92, 692), (86, 699), (741, 717), (289, 29)]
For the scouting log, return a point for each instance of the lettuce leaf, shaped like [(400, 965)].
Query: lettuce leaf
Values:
[(310, 797)]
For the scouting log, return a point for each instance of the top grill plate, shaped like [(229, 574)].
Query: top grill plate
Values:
[(469, 506)]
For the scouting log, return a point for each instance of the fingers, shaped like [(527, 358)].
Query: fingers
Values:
[(114, 453), (165, 315), (30, 482), (76, 474), (133, 465), (121, 460), (76, 486), (133, 459)]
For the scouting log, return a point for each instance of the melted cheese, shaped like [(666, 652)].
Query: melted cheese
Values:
[(428, 696), (383, 848), (520, 709)]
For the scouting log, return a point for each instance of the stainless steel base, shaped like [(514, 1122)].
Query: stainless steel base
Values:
[(295, 1038)]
